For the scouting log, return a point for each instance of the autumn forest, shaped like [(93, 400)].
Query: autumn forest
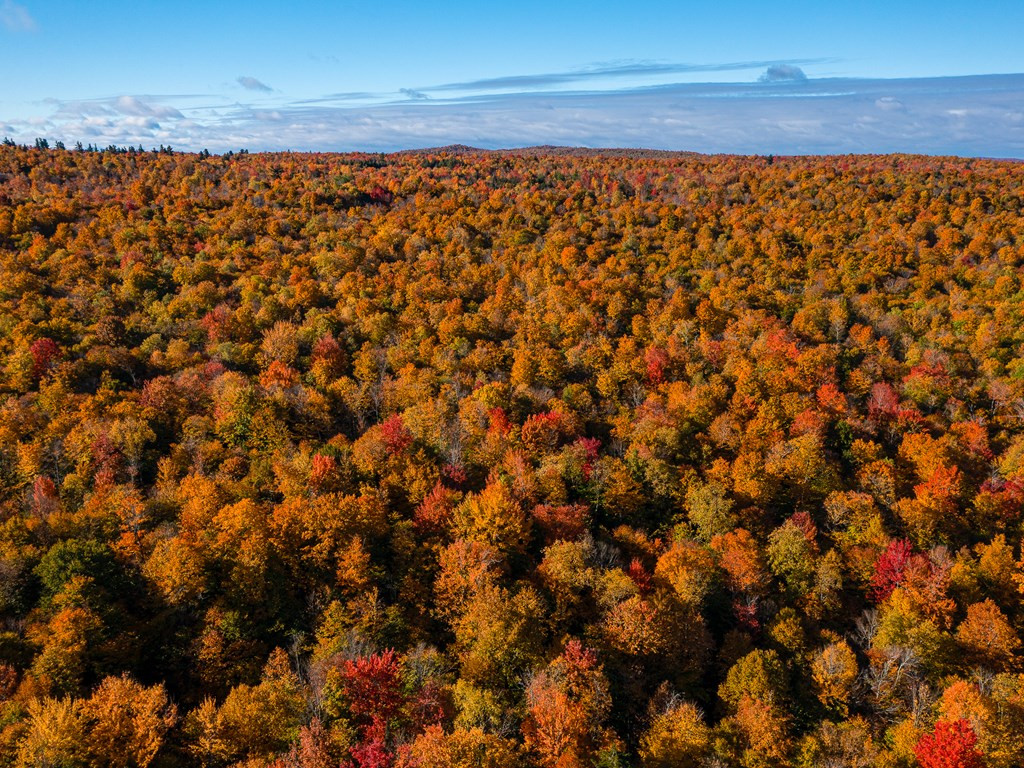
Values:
[(540, 458)]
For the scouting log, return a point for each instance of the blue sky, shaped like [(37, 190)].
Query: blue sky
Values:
[(727, 76)]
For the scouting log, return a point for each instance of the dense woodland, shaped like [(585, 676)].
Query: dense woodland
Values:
[(466, 459)]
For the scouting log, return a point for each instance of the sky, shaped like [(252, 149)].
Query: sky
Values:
[(740, 76)]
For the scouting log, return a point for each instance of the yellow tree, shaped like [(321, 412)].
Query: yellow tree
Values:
[(493, 517), (460, 748), (987, 637), (677, 737), (54, 736), (834, 671), (254, 721), (126, 723)]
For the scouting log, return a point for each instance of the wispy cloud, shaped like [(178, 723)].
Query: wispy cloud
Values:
[(973, 116), (327, 58), (252, 84), (16, 18), (131, 106), (612, 70), (413, 94), (345, 96)]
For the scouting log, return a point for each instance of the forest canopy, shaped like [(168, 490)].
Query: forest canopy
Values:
[(487, 459)]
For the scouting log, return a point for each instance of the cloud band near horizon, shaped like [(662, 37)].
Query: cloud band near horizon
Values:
[(784, 113)]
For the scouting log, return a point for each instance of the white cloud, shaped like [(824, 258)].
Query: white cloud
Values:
[(16, 18), (977, 116), (131, 105), (888, 103)]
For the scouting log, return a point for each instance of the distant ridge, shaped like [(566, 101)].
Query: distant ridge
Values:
[(554, 150), (549, 149), (448, 149)]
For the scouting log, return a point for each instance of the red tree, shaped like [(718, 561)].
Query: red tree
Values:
[(890, 568), (397, 436), (373, 689), (949, 745), (44, 352), (884, 402), (323, 468)]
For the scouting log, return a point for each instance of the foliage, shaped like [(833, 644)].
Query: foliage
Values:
[(538, 458)]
